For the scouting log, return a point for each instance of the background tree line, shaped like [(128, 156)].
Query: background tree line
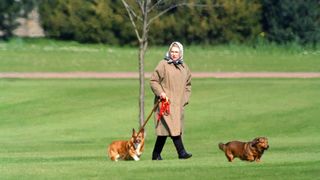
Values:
[(219, 21)]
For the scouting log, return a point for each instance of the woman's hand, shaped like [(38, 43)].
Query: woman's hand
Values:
[(163, 95)]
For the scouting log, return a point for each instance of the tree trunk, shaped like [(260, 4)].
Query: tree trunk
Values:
[(142, 50), (141, 80)]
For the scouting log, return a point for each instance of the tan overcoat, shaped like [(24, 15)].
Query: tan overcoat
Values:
[(175, 81)]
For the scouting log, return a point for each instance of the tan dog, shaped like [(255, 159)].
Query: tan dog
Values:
[(127, 150), (249, 151)]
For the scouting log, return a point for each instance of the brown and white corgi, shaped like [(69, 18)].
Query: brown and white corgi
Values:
[(127, 150)]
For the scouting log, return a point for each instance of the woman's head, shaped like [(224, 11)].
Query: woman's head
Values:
[(176, 51)]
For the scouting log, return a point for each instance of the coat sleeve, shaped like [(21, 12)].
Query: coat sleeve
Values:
[(188, 88), (156, 78)]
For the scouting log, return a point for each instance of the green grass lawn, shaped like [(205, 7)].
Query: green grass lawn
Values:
[(32, 55), (59, 129)]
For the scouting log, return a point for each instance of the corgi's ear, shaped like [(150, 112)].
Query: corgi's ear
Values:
[(133, 132), (142, 132)]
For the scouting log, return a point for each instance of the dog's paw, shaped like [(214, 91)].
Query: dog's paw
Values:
[(136, 158)]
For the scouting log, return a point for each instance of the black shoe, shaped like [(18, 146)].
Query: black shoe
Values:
[(156, 157), (185, 155)]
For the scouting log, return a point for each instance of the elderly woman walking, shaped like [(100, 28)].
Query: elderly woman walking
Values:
[(171, 80)]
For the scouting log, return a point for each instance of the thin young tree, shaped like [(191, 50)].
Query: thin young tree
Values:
[(142, 14)]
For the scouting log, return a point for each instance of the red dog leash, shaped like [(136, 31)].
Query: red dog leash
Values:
[(164, 110)]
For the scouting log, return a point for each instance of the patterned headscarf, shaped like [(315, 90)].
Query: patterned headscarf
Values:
[(168, 58)]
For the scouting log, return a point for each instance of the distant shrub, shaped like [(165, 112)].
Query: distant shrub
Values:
[(286, 21), (219, 21), (81, 20)]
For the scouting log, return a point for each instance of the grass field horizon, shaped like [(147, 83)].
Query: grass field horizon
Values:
[(44, 55), (59, 129)]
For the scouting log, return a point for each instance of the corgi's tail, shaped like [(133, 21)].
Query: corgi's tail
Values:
[(222, 146)]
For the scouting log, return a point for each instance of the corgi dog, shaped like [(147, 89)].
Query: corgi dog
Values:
[(127, 150)]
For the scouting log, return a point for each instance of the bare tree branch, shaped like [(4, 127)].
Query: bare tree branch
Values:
[(131, 19), (139, 2), (146, 5), (155, 5), (131, 10), (170, 8)]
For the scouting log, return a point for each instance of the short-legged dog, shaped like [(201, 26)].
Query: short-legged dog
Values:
[(127, 150), (249, 151)]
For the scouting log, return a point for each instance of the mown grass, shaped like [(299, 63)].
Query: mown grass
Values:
[(59, 129), (30, 55)]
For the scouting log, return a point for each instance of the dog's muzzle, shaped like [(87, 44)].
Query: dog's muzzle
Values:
[(136, 145)]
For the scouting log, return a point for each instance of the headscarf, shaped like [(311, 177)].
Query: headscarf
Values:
[(168, 58)]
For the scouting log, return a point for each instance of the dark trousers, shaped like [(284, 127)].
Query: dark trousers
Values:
[(158, 146), (177, 141)]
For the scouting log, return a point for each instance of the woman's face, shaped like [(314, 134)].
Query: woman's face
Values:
[(175, 53)]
